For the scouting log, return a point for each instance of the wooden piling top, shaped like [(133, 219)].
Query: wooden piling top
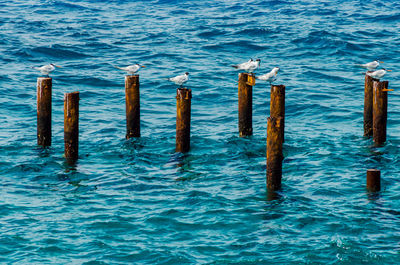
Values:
[(251, 79), (43, 78), (183, 93), (373, 180), (132, 78), (72, 93)]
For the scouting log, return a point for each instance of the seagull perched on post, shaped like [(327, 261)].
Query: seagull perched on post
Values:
[(371, 65), (180, 79), (379, 73), (131, 69), (270, 77), (46, 69), (248, 66)]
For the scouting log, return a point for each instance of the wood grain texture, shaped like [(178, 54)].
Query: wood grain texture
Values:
[(132, 99), (245, 95), (44, 94), (183, 113), (71, 126)]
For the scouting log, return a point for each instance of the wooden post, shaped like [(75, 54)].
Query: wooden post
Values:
[(132, 98), (379, 114), (368, 100), (274, 153), (373, 180), (71, 126), (277, 105), (245, 106), (44, 85), (183, 108)]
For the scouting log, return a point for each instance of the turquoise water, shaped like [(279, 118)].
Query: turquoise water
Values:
[(137, 202)]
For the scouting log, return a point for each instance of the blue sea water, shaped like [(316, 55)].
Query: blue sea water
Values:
[(138, 202)]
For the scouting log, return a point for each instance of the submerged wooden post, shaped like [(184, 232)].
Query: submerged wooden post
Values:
[(245, 105), (132, 98), (274, 153), (44, 85), (277, 105), (368, 101), (379, 112), (183, 108), (373, 180), (71, 126)]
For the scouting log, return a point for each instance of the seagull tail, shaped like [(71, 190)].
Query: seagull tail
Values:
[(120, 68), (235, 66)]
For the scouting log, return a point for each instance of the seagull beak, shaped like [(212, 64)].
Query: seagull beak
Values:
[(389, 70), (58, 66), (380, 62), (143, 66)]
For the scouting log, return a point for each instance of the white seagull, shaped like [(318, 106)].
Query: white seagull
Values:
[(270, 77), (379, 73), (46, 69), (371, 65), (131, 69), (180, 79), (248, 66)]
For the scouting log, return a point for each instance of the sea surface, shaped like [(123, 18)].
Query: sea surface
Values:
[(137, 201)]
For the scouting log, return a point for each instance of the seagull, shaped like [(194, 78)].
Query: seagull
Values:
[(180, 79), (46, 69), (131, 69), (248, 66), (379, 73), (270, 77), (371, 65)]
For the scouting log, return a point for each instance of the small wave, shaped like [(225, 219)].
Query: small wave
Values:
[(256, 31), (385, 18), (59, 51), (211, 33), (89, 81), (22, 53), (239, 45), (73, 6)]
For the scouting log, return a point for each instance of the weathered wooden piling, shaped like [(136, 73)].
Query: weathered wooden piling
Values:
[(277, 105), (132, 98), (183, 109), (274, 153), (373, 180), (44, 87), (245, 92), (71, 126), (379, 111), (368, 103)]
